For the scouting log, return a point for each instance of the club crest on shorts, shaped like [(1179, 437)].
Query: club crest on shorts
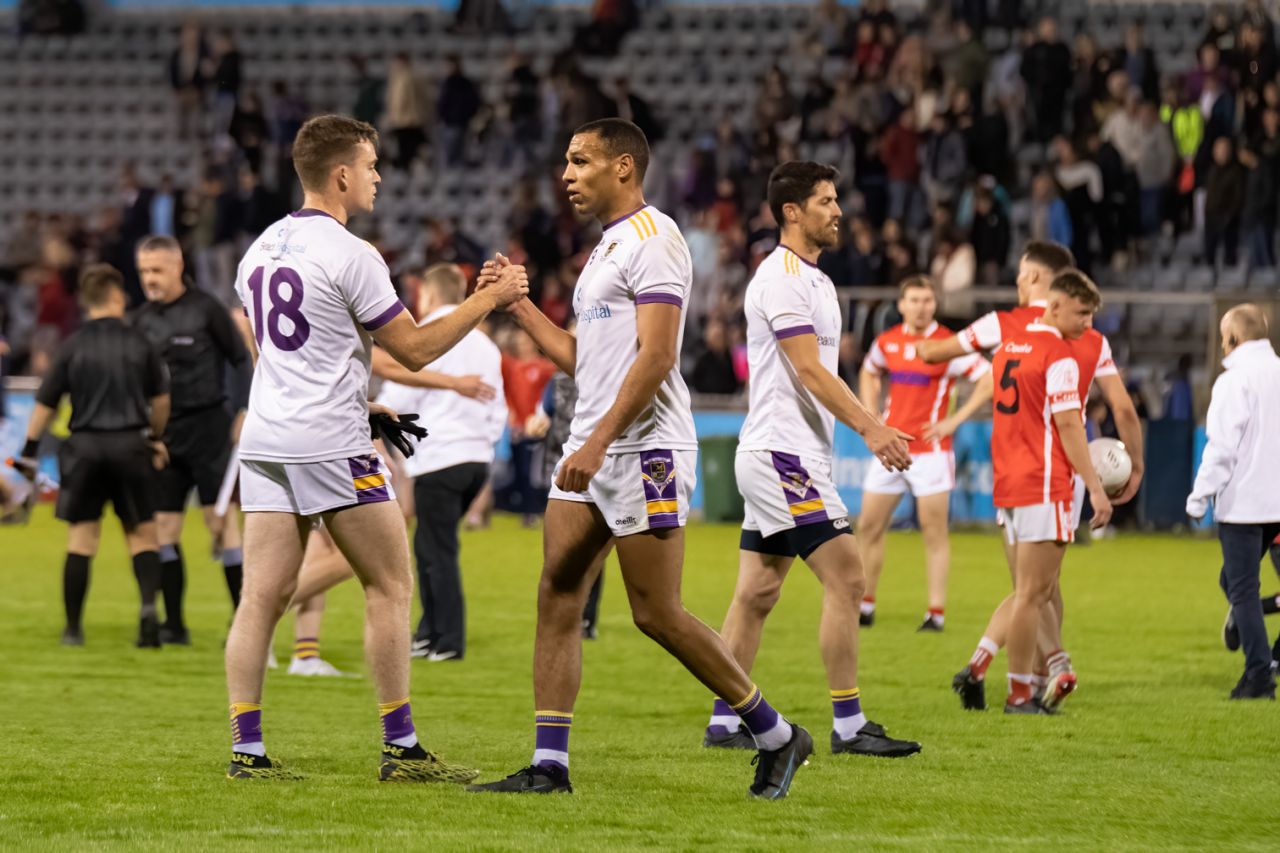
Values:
[(797, 484), (658, 472)]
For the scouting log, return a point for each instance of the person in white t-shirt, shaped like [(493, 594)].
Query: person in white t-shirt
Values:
[(783, 464), (464, 431), (629, 463), (316, 297)]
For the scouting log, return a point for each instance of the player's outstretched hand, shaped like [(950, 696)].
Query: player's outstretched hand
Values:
[(1101, 509), (511, 286), (578, 468), (473, 386), (889, 445)]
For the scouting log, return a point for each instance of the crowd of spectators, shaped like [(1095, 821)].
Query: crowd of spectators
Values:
[(950, 155)]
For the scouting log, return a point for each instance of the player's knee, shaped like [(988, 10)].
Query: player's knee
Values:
[(760, 597), (657, 621)]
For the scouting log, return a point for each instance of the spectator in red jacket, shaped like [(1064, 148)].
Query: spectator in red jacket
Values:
[(900, 152)]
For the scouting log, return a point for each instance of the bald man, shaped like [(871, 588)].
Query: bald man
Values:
[(210, 374), (1238, 473)]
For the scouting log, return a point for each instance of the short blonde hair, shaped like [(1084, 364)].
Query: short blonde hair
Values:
[(447, 280)]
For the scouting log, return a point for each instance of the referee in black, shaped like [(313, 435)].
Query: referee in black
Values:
[(210, 372), (119, 390)]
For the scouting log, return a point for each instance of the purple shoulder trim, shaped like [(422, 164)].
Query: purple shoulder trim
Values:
[(385, 317), (781, 334), (665, 298)]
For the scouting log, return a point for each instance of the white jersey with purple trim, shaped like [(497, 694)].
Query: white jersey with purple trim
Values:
[(788, 296), (312, 291), (641, 258)]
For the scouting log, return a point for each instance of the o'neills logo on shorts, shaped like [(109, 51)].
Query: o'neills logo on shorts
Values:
[(1023, 348), (595, 312)]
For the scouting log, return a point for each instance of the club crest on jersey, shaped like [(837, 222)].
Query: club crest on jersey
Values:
[(610, 249), (797, 485), (910, 352), (890, 347)]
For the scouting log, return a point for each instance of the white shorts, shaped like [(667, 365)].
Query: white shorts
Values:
[(782, 491), (930, 474), (310, 488), (635, 492), (1077, 500), (1049, 522)]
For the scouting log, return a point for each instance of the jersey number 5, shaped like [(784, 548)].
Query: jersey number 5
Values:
[(1007, 381), (282, 305)]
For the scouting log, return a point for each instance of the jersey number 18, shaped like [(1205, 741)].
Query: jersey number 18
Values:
[(287, 305)]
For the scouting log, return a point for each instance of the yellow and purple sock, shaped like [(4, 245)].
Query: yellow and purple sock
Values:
[(723, 719), (847, 719), (770, 730), (246, 728), (551, 739), (397, 723), (306, 648)]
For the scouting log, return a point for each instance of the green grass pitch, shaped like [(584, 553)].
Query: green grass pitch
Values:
[(110, 746)]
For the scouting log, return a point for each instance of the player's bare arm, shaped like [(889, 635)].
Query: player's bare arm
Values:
[(935, 351), (657, 334), (1076, 446), (1130, 429), (556, 344), (417, 346), (978, 399), (471, 385), (869, 387), (888, 444)]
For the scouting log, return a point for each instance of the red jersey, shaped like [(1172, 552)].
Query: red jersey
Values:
[(1092, 350), (919, 393), (1037, 376), (522, 383)]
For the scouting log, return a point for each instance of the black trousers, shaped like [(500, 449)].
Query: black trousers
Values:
[(441, 499), (1243, 547)]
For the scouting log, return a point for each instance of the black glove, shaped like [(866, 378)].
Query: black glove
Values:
[(393, 431), (27, 462)]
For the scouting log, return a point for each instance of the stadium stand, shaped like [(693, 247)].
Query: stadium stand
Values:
[(731, 91)]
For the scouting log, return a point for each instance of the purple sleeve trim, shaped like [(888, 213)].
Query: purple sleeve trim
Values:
[(782, 334), (385, 317), (664, 298)]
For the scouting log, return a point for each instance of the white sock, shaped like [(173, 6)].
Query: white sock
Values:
[(732, 722), (847, 727), (550, 756), (258, 749), (867, 607), (776, 738), (407, 740)]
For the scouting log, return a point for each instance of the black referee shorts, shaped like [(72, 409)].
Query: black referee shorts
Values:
[(199, 446), (96, 467)]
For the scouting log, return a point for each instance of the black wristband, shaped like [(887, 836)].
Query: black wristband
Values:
[(31, 448)]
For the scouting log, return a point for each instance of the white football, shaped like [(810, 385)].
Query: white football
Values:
[(1112, 463)]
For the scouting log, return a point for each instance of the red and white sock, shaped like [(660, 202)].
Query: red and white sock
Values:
[(868, 605), (935, 614), (1019, 688), (981, 659), (1058, 662)]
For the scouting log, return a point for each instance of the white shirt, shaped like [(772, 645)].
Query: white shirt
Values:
[(1240, 468), (788, 296), (461, 429), (641, 258), (312, 291)]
